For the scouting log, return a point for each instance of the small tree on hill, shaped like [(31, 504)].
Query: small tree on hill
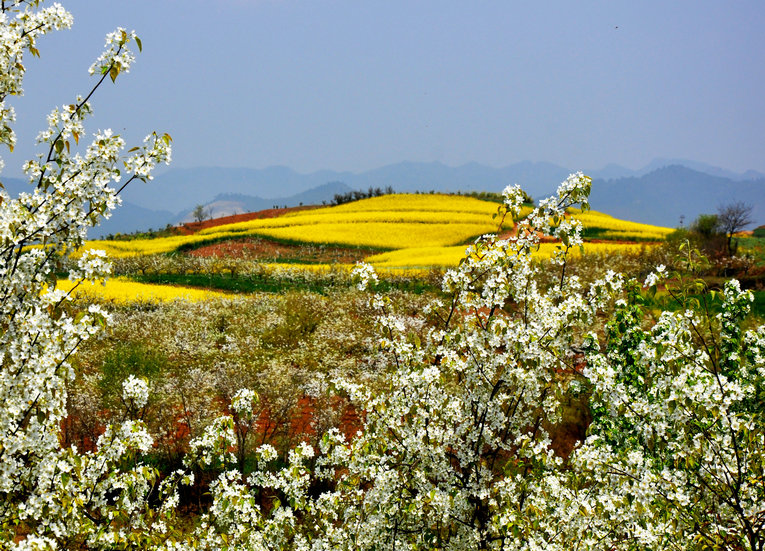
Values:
[(200, 213), (704, 232), (732, 218)]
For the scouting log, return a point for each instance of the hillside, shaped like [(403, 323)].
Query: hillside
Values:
[(657, 194), (401, 230)]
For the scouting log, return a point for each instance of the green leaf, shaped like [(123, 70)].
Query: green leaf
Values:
[(113, 72), (138, 43)]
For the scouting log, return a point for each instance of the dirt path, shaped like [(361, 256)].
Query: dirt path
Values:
[(193, 227)]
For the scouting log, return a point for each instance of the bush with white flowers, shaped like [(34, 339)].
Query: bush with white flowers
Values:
[(53, 496)]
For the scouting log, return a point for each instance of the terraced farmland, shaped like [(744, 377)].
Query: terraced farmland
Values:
[(402, 231)]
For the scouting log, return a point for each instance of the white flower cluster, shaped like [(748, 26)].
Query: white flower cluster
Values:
[(115, 54), (365, 274), (513, 196), (243, 403), (657, 276), (135, 391), (214, 444)]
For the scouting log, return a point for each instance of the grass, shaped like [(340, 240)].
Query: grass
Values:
[(266, 283)]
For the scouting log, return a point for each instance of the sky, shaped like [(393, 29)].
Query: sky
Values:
[(358, 84)]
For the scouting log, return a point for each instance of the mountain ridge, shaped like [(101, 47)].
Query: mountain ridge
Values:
[(654, 194)]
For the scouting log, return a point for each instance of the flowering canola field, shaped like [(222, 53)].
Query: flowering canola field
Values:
[(409, 230), (387, 222), (603, 226), (446, 257), (122, 291)]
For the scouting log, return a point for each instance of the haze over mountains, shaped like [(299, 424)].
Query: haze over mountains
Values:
[(659, 193)]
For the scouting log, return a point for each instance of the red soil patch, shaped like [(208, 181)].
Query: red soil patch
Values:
[(262, 249), (193, 227), (258, 248), (351, 421)]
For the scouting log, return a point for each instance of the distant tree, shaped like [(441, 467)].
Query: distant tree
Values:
[(357, 195), (706, 225), (732, 218), (200, 213), (704, 233)]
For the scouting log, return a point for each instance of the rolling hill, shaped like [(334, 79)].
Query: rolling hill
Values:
[(400, 230)]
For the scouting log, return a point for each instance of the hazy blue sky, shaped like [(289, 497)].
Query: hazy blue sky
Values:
[(357, 84)]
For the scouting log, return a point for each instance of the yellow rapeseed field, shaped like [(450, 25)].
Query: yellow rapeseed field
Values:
[(380, 234), (417, 202), (616, 229), (123, 291), (421, 257), (314, 218), (159, 245), (418, 229), (387, 222)]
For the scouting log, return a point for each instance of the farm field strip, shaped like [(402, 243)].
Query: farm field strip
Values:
[(450, 256), (123, 291), (382, 235), (360, 217), (416, 202), (615, 228), (116, 249)]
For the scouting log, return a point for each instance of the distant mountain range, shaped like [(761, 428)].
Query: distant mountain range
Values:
[(659, 193), (666, 194), (612, 171)]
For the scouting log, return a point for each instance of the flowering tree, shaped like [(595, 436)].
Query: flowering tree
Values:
[(54, 496), (676, 455), (457, 452)]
